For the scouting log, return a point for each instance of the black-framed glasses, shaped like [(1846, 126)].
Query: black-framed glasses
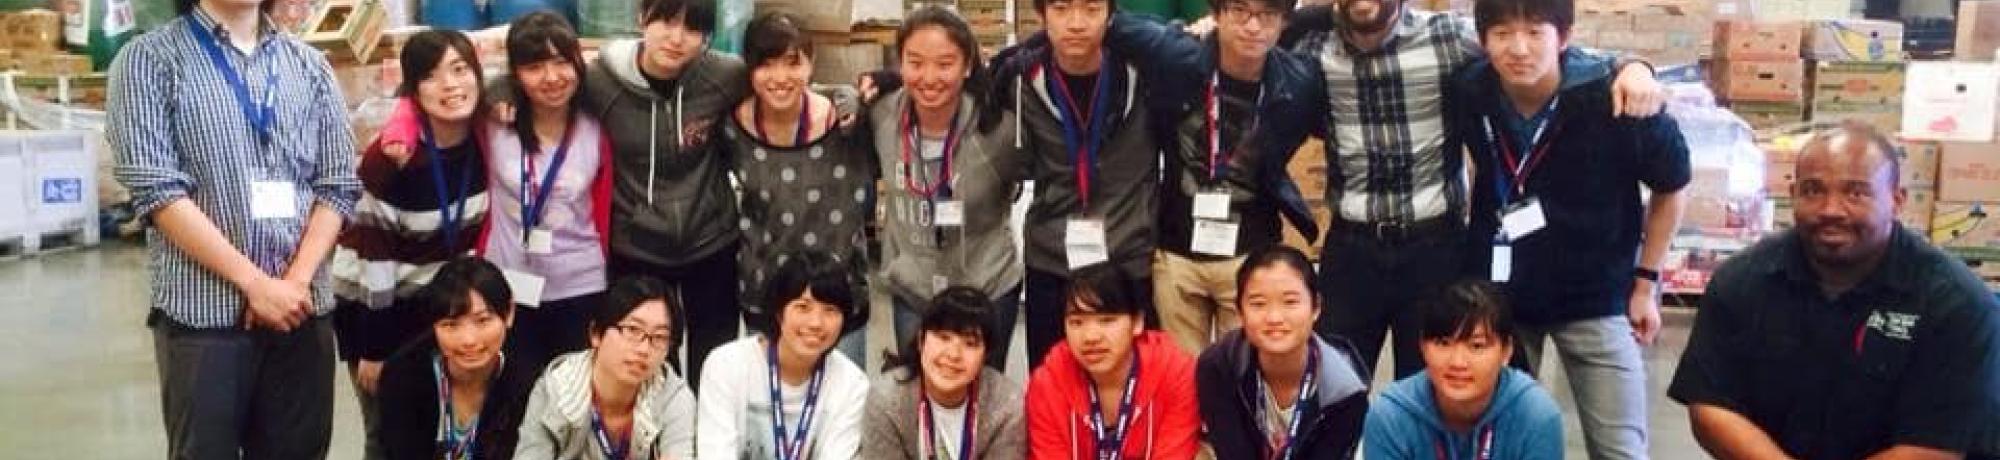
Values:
[(1239, 14), (652, 339)]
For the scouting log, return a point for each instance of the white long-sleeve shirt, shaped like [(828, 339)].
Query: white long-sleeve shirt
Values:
[(736, 406)]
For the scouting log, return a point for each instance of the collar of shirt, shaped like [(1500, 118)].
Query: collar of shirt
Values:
[(267, 27), (1894, 273)]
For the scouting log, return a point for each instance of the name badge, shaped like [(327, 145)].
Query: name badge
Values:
[(950, 213), (1503, 263), (273, 200), (939, 283), (541, 242), (1212, 204), (1215, 237), (527, 287), (1084, 243), (1521, 220)]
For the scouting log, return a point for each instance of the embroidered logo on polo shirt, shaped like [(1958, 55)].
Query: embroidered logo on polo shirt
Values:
[(1895, 325)]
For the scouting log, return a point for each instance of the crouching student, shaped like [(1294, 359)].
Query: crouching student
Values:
[(617, 400), (781, 394), (1276, 389), (1111, 389), (944, 403), (1466, 403), (454, 394)]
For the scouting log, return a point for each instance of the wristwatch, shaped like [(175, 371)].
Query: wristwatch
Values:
[(1646, 274)]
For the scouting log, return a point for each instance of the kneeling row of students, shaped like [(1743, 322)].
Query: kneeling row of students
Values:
[(1112, 389)]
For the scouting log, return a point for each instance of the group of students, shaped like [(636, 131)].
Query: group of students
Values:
[(548, 241)]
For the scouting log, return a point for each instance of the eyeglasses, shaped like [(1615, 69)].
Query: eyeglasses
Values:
[(655, 340), (1240, 14)]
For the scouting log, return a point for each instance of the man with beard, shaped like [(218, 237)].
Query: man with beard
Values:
[(1398, 196), (1848, 336)]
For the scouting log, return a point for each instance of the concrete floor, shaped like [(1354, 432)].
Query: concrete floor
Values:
[(77, 378)]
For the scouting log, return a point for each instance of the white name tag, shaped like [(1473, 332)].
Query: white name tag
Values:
[(273, 200), (1523, 220), (1503, 263), (1085, 243), (1214, 237), (527, 287), (541, 242), (939, 283), (1211, 205), (950, 213)]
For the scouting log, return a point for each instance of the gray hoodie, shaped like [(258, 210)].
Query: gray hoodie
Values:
[(986, 175), (557, 422), (671, 203), (1002, 431)]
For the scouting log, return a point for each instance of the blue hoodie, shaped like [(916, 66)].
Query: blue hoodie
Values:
[(1404, 423)]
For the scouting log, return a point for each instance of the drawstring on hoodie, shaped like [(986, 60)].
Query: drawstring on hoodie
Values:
[(653, 138)]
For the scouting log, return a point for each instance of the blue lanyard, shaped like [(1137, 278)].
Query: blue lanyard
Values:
[(929, 426), (257, 112), (1083, 138), (454, 447), (1514, 176), (531, 211), (1111, 446), (611, 452), (792, 448), (1485, 446), (448, 218), (1306, 383)]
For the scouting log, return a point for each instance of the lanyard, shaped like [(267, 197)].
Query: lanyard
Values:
[(611, 452), (1111, 446), (531, 211), (1217, 160), (447, 216), (1306, 383), (805, 122), (929, 427), (258, 112), (1082, 130), (792, 448), (1485, 445), (930, 191), (1518, 169), (454, 447)]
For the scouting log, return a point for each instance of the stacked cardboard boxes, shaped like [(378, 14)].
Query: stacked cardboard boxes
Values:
[(1308, 169), (1978, 31), (1759, 71), (988, 19), (1665, 32)]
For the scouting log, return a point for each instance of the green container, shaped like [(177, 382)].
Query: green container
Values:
[(9, 6), (98, 28)]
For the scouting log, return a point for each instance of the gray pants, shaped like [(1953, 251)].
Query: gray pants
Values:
[(230, 393), (1608, 377)]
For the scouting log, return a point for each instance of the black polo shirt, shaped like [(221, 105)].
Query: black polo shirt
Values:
[(1909, 356)]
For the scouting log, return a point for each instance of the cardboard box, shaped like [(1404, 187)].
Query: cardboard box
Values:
[(1799, 10), (1967, 229), (52, 63), (1769, 115), (1969, 171), (1662, 31), (1951, 101), (840, 64), (1917, 209), (85, 90), (1758, 40), (835, 15), (1855, 82), (1778, 179), (1920, 164), (1761, 81), (34, 30), (1783, 214), (349, 30), (1978, 30), (1854, 40)]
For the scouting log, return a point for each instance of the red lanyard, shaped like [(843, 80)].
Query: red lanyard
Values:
[(1518, 169), (1216, 160), (1080, 128), (929, 190)]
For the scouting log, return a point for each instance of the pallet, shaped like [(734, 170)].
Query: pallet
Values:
[(40, 243)]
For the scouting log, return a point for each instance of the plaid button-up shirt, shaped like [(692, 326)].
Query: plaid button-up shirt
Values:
[(179, 132)]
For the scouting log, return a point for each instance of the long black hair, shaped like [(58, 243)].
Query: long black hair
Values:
[(980, 81), (534, 38)]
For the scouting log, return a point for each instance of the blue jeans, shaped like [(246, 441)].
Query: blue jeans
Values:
[(1005, 310), (1606, 374)]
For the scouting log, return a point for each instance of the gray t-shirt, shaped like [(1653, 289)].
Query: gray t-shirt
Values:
[(809, 197)]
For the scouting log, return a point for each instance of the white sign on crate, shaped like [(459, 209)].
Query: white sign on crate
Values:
[(1951, 101)]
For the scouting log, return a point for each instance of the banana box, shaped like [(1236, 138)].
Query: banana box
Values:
[(1854, 40), (1968, 229)]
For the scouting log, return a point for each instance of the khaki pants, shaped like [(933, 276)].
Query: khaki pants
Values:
[(1196, 300)]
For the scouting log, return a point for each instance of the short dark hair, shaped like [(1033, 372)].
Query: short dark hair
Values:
[(529, 41), (1823, 134), (1281, 5), (1041, 6), (773, 35), (1278, 255), (957, 309), (698, 15), (447, 294), (1489, 13), (828, 280), (424, 52), (1105, 291), (625, 295), (1458, 310)]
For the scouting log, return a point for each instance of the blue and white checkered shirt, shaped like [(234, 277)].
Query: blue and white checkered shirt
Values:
[(178, 132)]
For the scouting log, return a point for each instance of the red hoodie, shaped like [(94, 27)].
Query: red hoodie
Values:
[(1166, 423)]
